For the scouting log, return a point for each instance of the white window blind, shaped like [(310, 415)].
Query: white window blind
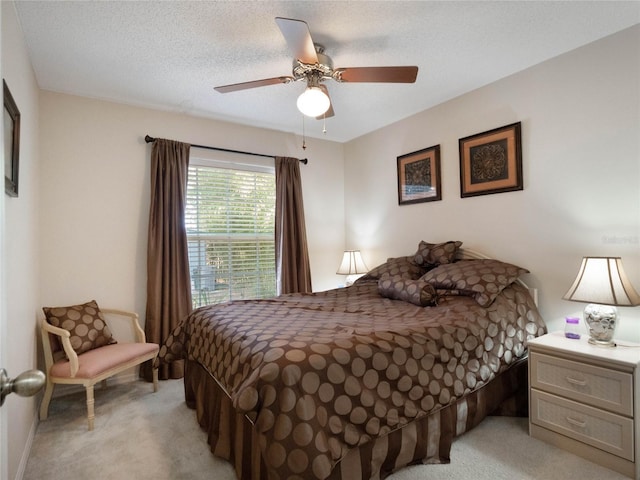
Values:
[(229, 219)]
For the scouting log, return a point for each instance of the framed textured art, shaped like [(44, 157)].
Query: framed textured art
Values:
[(491, 162), (419, 176), (11, 122)]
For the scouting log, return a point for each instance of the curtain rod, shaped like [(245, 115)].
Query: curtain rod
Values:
[(149, 139)]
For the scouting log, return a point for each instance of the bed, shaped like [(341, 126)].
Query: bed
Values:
[(361, 381)]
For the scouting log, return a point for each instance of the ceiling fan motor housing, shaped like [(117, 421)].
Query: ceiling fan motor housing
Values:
[(321, 70)]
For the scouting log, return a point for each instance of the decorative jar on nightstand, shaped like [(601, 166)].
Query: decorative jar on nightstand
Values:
[(586, 399), (572, 328)]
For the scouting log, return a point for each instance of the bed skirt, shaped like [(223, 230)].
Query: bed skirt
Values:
[(426, 440)]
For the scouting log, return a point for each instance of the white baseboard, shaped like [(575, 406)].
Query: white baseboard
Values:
[(27, 448)]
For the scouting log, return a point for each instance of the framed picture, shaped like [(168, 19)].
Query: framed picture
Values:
[(11, 143), (491, 162), (419, 176)]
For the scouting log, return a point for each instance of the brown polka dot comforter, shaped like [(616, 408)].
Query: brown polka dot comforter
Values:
[(319, 374)]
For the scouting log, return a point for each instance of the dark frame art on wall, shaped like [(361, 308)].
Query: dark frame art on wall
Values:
[(11, 142), (419, 176), (491, 162)]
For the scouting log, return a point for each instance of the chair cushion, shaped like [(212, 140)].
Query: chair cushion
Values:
[(84, 322), (99, 360)]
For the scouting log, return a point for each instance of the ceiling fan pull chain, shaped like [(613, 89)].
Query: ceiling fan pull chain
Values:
[(304, 142), (324, 123)]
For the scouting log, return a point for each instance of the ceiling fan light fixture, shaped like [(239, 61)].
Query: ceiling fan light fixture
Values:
[(313, 102)]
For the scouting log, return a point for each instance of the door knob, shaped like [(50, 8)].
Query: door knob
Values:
[(26, 384)]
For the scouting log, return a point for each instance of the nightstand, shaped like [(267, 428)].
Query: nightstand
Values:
[(586, 399)]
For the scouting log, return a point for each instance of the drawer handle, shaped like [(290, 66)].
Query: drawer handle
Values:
[(576, 381), (576, 423)]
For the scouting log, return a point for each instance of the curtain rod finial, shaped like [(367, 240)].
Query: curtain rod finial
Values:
[(148, 139)]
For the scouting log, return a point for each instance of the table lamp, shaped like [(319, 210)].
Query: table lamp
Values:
[(602, 282), (352, 264)]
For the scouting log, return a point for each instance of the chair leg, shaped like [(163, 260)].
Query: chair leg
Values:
[(46, 399), (90, 412), (155, 379)]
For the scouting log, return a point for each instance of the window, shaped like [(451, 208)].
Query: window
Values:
[(230, 219)]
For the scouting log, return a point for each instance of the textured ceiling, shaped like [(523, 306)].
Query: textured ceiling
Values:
[(170, 54)]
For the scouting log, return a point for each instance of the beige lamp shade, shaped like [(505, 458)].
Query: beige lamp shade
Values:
[(602, 280), (352, 263)]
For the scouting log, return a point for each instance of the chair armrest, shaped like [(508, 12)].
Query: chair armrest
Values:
[(64, 336), (133, 318)]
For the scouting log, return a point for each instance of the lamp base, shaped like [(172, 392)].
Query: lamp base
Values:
[(351, 279), (601, 322)]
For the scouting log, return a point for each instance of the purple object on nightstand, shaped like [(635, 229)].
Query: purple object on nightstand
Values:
[(571, 328)]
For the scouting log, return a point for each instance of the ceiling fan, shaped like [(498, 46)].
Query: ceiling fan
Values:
[(312, 65)]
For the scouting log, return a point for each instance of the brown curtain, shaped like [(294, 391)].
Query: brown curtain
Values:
[(292, 255), (168, 280)]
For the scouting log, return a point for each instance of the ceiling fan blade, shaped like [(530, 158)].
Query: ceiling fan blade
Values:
[(378, 74), (296, 33), (256, 83), (330, 112)]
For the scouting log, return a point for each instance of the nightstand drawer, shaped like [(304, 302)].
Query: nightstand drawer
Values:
[(604, 430), (596, 386)]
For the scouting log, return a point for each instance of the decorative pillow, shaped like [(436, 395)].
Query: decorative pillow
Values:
[(430, 255), (404, 266), (417, 292), (84, 322), (481, 279)]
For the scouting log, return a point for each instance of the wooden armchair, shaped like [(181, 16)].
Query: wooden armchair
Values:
[(95, 365)]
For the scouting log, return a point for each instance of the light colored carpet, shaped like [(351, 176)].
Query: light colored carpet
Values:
[(144, 435)]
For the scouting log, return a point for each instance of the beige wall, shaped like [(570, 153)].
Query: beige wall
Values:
[(580, 115), (22, 231), (95, 194)]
